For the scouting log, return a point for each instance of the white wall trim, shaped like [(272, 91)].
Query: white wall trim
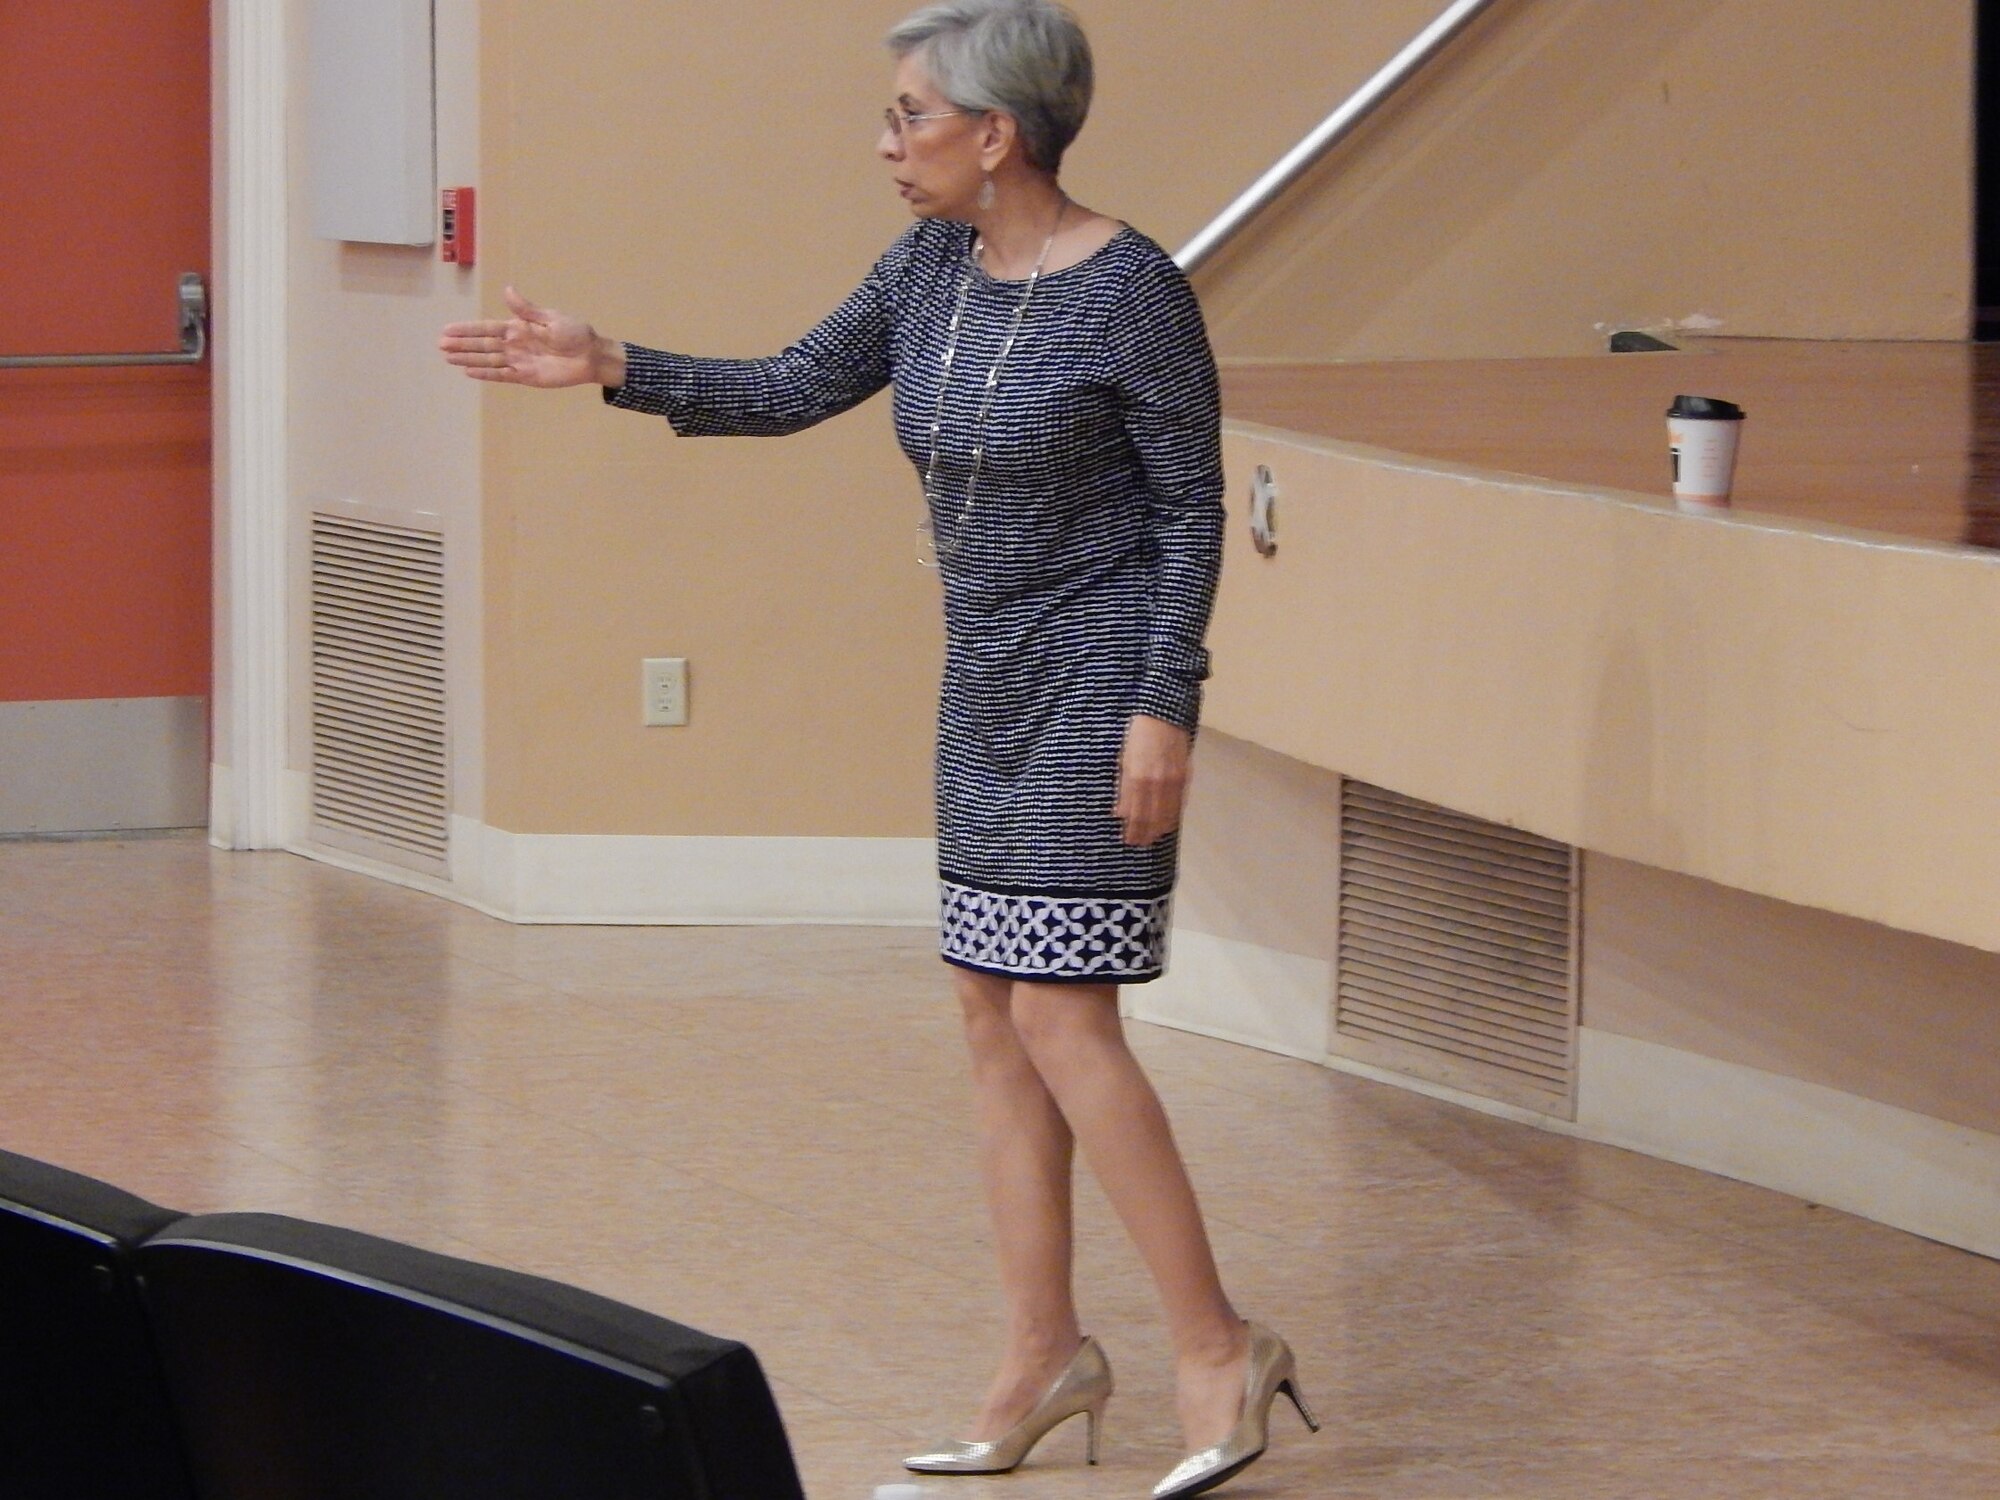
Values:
[(634, 879), (247, 796), (1900, 1168), (1478, 1103), (1918, 1173)]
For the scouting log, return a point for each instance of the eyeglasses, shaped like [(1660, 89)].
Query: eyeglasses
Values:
[(895, 119)]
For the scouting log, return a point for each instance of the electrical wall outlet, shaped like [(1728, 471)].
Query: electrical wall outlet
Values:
[(663, 690)]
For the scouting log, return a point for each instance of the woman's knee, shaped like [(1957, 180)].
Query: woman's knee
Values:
[(983, 999), (1059, 1022)]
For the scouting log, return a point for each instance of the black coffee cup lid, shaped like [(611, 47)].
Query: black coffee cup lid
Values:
[(1706, 408)]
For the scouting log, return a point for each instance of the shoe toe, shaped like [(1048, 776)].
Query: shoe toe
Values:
[(958, 1458), (1203, 1471)]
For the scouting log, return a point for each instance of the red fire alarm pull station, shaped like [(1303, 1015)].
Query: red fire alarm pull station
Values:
[(455, 244)]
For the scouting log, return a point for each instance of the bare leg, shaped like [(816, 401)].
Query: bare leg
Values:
[(1025, 1156), (1076, 1041)]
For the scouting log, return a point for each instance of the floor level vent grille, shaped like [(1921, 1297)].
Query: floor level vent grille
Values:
[(378, 696), (1458, 950)]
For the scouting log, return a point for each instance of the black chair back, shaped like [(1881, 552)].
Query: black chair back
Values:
[(83, 1403), (315, 1363)]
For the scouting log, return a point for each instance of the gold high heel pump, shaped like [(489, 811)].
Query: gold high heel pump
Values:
[(1271, 1370), (1082, 1388)]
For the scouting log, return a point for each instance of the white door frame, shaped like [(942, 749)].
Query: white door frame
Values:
[(251, 78)]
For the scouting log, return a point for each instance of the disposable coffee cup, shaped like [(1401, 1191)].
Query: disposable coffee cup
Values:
[(1702, 435)]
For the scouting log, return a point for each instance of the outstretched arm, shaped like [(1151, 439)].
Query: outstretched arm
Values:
[(538, 346), (840, 363)]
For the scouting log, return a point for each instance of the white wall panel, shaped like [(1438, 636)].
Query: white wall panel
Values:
[(371, 141)]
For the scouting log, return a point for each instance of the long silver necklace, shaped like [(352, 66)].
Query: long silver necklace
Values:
[(943, 549)]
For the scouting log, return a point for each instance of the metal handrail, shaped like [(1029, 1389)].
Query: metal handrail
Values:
[(1331, 131), (193, 307)]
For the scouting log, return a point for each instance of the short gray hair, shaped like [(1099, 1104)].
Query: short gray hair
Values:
[(1025, 58)]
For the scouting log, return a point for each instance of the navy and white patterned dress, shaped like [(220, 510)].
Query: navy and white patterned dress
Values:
[(1076, 591)]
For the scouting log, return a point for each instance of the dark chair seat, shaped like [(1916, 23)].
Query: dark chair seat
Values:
[(310, 1363)]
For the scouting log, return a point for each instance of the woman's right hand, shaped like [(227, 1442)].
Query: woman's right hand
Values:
[(537, 346)]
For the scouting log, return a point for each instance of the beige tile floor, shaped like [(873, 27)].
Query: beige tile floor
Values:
[(763, 1132)]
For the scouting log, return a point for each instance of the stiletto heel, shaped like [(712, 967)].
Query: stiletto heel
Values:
[(1081, 1390), (1271, 1369), (1291, 1388)]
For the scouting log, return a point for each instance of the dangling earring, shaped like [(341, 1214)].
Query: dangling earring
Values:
[(986, 192)]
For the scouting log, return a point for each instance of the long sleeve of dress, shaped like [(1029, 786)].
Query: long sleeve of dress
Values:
[(1172, 401), (839, 364)]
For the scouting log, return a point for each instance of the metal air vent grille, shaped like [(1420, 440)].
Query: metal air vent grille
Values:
[(378, 704), (1458, 950)]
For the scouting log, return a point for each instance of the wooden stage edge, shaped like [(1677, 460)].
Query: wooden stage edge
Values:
[(1899, 439)]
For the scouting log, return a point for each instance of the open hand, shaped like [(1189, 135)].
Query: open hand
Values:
[(537, 346), (1152, 779)]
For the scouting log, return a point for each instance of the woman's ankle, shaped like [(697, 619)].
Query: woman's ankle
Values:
[(1044, 1345), (1223, 1342)]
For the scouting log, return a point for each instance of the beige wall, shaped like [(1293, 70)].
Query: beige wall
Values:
[(681, 175), (701, 177), (1776, 168), (1753, 701), (1260, 849), (1894, 1017), (375, 419), (1885, 1015), (1805, 716)]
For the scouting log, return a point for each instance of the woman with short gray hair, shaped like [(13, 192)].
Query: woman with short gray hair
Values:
[(1054, 390), (1030, 62)]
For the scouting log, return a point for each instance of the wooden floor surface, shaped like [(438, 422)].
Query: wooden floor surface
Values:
[(766, 1132)]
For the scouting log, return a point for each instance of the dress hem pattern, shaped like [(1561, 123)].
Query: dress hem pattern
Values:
[(1066, 939)]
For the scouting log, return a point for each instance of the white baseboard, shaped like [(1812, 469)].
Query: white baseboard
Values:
[(1911, 1171), (1240, 992), (1915, 1172), (635, 878), (631, 879), (222, 821), (232, 826), (1478, 1103)]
